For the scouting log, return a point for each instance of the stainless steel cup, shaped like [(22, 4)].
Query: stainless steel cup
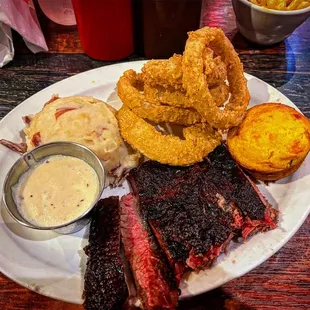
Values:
[(30, 159)]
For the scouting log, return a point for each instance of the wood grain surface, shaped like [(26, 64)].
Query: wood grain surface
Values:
[(282, 282)]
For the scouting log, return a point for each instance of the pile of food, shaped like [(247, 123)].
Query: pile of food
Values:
[(282, 5), (189, 90)]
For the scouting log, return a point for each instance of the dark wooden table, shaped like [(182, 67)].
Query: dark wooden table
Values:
[(282, 282)]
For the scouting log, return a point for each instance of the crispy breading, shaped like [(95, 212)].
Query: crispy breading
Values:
[(135, 100), (177, 98), (195, 83), (199, 140), (168, 73)]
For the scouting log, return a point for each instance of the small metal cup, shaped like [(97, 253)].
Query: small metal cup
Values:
[(30, 159)]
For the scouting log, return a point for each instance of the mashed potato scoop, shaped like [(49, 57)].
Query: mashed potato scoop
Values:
[(88, 121)]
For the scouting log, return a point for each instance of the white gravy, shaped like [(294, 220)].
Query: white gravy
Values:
[(56, 191)]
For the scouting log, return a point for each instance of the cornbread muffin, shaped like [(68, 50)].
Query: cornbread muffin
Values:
[(271, 142)]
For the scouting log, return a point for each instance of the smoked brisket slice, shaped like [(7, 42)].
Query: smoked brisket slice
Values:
[(155, 283), (186, 240), (195, 211), (152, 179), (191, 230), (104, 282), (236, 186)]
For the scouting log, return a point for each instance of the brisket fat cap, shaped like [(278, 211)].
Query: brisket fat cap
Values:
[(104, 283), (156, 286)]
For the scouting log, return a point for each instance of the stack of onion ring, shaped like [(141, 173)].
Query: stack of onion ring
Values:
[(191, 90)]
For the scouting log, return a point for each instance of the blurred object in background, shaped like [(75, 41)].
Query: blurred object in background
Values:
[(161, 26), (19, 15), (266, 26), (105, 28), (59, 11)]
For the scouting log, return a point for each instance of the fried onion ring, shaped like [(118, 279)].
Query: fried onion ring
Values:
[(220, 94), (195, 83), (127, 89), (168, 114), (168, 73), (135, 101), (200, 139), (160, 95), (218, 75), (177, 98)]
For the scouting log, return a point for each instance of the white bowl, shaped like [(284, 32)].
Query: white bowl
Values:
[(266, 26)]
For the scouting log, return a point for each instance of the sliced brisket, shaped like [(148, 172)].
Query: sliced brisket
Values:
[(152, 179), (104, 282), (236, 186), (191, 229), (195, 211), (155, 283), (189, 225)]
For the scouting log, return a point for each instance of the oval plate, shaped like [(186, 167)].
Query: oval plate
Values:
[(54, 265)]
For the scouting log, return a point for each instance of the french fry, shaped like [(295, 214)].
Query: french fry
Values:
[(282, 5), (272, 4), (254, 2), (303, 5), (294, 4)]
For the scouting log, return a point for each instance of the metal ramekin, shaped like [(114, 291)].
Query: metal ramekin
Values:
[(30, 159)]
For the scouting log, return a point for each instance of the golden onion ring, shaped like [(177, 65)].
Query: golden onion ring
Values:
[(168, 73), (160, 95), (200, 139), (220, 94), (195, 83), (136, 101)]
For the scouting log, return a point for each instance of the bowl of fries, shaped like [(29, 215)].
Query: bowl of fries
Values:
[(267, 22)]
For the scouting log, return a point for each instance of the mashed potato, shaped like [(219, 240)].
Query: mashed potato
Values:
[(87, 121)]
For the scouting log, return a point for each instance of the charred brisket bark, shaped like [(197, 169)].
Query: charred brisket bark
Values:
[(191, 228), (104, 282), (153, 179), (155, 283), (258, 214), (195, 211)]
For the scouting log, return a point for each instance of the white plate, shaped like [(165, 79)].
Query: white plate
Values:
[(53, 265)]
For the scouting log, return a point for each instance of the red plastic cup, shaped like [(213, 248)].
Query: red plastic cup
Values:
[(105, 28)]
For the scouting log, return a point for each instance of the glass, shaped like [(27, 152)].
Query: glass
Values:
[(161, 26), (105, 28)]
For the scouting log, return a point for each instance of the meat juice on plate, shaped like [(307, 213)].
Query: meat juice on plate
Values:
[(161, 27), (56, 191)]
